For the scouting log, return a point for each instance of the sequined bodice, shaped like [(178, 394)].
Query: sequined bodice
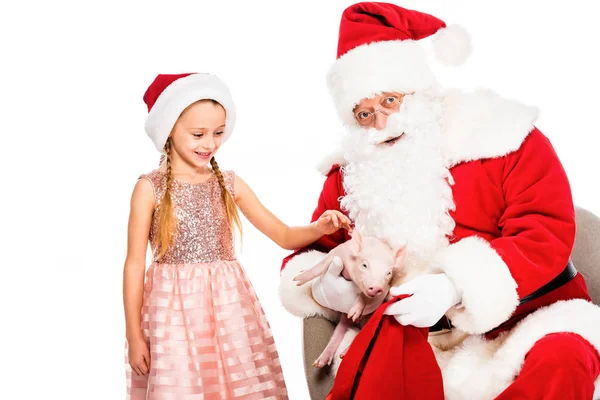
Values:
[(202, 233)]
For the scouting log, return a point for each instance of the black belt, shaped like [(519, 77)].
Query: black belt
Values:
[(564, 277)]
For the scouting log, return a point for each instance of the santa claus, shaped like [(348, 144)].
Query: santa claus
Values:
[(481, 199)]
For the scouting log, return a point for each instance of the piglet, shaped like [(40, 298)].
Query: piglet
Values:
[(354, 279)]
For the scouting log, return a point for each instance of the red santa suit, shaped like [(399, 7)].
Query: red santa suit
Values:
[(526, 326)]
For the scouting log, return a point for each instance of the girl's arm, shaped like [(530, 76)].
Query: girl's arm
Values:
[(287, 237), (140, 218)]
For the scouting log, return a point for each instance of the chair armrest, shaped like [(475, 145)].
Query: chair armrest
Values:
[(586, 251), (316, 334)]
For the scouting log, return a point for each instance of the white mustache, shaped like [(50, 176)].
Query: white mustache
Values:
[(392, 130)]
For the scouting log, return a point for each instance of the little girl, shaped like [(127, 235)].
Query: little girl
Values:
[(195, 328)]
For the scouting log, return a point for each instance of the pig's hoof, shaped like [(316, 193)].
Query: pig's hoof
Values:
[(355, 313), (343, 353), (323, 361)]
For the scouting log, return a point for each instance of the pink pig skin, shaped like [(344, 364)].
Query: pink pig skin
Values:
[(354, 279)]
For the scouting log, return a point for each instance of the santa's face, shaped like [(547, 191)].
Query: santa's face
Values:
[(373, 112), (397, 181)]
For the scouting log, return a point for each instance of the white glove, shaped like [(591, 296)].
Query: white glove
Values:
[(432, 296)]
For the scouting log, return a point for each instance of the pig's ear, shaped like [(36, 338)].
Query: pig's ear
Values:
[(399, 256), (398, 275), (357, 237)]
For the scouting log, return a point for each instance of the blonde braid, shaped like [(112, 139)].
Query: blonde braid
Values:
[(166, 216), (231, 209)]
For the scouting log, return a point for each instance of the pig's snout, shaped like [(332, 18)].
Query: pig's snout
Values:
[(375, 290)]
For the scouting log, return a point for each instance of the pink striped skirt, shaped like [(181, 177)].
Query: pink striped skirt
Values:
[(208, 336)]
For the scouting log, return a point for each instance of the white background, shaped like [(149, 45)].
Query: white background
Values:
[(73, 76)]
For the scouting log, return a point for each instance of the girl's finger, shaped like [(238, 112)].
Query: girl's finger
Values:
[(336, 223), (142, 368), (147, 361), (135, 370)]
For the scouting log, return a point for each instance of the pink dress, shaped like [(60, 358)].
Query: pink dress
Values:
[(206, 330)]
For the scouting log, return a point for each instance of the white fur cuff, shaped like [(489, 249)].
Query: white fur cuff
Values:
[(489, 292), (298, 300)]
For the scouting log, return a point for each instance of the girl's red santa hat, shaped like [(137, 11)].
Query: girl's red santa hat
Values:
[(169, 94), (378, 51)]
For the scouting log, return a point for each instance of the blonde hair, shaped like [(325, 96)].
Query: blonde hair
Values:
[(231, 209), (167, 220)]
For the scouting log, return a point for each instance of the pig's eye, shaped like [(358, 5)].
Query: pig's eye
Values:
[(389, 273), (364, 265)]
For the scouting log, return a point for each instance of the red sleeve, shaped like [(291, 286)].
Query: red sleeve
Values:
[(538, 224), (328, 200), (537, 231)]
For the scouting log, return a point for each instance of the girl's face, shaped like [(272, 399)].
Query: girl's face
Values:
[(198, 133)]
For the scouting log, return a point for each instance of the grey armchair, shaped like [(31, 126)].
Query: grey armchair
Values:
[(586, 257)]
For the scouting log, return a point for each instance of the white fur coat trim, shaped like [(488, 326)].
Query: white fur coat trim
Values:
[(334, 158), (483, 124), (477, 125), (298, 300), (480, 369), (488, 290)]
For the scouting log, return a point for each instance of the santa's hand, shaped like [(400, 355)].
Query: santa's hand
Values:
[(431, 296)]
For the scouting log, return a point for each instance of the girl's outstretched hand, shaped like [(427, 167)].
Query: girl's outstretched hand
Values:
[(139, 356), (332, 220)]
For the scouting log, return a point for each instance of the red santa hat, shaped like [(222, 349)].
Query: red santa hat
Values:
[(378, 51), (169, 94)]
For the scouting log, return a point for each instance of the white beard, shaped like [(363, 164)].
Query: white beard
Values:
[(401, 194)]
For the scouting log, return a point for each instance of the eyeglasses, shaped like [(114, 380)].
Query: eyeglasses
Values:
[(389, 105)]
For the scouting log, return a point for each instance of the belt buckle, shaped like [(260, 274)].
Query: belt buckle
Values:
[(442, 327), (443, 331)]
